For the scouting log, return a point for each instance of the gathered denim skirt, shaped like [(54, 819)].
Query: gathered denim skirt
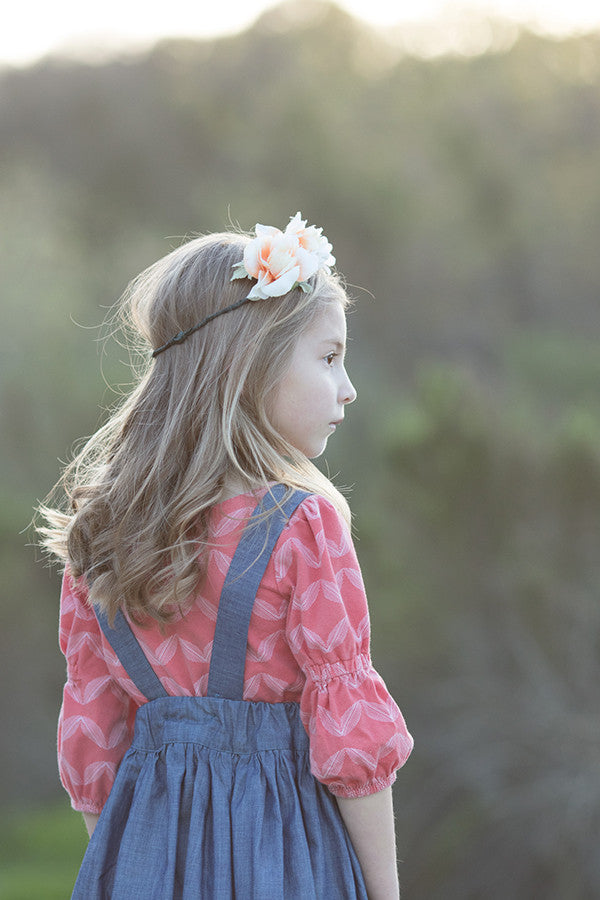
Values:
[(215, 800)]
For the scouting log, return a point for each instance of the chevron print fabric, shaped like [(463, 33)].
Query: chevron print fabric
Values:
[(308, 643)]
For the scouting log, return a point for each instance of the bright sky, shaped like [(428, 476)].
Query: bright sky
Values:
[(30, 30)]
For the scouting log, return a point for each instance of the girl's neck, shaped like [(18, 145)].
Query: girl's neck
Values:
[(236, 484)]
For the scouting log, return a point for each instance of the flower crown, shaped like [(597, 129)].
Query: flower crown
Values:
[(279, 261), (282, 260)]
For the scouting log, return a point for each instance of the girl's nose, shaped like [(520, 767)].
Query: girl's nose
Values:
[(348, 391)]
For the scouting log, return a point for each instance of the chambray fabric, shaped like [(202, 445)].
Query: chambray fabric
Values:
[(215, 798)]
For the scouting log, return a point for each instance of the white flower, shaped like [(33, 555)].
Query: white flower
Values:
[(312, 240), (279, 261)]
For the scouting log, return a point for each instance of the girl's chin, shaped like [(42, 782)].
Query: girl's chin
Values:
[(315, 452)]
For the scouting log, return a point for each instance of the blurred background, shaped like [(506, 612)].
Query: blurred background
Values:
[(453, 162)]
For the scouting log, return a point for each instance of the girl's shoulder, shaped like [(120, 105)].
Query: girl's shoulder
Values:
[(239, 500), (318, 523), (315, 514), (315, 547), (74, 590), (317, 507)]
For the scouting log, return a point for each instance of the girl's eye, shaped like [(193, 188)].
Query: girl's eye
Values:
[(330, 358)]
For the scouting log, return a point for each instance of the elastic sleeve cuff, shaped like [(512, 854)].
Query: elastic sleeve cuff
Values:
[(86, 806), (350, 672), (352, 792)]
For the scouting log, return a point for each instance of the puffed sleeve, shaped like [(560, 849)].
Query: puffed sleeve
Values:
[(95, 726), (358, 737)]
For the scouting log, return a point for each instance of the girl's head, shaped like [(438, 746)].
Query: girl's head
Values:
[(247, 398), (235, 385)]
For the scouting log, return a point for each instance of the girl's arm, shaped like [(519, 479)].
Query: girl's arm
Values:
[(95, 727), (370, 824), (91, 820)]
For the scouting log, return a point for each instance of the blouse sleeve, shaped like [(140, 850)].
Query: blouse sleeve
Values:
[(358, 737), (95, 726)]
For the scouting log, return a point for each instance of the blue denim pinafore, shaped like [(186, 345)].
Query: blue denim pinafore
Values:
[(215, 798)]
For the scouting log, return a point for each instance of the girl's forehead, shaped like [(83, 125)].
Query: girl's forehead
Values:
[(330, 323)]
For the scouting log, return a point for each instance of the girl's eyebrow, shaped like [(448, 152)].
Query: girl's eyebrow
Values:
[(336, 343)]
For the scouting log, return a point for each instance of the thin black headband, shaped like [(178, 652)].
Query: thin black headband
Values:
[(179, 338), (278, 261)]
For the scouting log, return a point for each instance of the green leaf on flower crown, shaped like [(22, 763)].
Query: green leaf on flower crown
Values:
[(305, 286), (239, 271)]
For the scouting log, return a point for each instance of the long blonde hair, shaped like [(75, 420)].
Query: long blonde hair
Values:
[(138, 495)]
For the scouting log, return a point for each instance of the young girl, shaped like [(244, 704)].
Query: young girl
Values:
[(222, 730)]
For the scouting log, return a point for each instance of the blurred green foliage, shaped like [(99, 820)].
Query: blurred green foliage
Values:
[(40, 852), (462, 193)]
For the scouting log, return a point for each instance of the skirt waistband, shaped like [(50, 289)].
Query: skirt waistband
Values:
[(236, 726)]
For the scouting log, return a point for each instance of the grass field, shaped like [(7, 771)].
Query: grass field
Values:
[(40, 852)]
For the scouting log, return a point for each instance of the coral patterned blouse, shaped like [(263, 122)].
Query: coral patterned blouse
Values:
[(308, 642)]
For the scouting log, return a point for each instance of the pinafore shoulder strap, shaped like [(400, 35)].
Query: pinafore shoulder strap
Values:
[(228, 657), (131, 656)]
